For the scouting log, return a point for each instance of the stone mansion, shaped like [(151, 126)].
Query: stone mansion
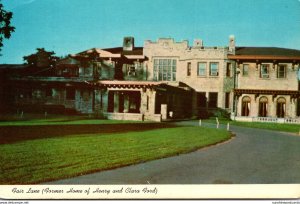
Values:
[(165, 80)]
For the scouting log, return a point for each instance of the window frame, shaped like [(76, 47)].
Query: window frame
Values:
[(203, 69), (210, 69), (245, 73), (267, 75), (164, 69), (189, 69), (284, 71)]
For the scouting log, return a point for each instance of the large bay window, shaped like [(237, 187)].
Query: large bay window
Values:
[(164, 70)]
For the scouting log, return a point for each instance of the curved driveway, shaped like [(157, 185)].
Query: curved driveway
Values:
[(254, 156)]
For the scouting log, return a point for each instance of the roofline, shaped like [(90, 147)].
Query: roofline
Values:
[(262, 57)]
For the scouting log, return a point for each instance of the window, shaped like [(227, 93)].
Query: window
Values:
[(164, 70), (70, 94), (246, 106), (188, 69), (228, 70), (281, 70), (263, 107), (131, 70), (212, 99), (227, 99), (245, 69), (264, 71), (201, 69), (214, 69), (280, 111)]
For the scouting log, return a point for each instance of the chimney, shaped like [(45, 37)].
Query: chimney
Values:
[(231, 43), (198, 43), (128, 43)]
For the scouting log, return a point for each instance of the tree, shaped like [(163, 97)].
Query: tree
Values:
[(5, 27), (41, 59)]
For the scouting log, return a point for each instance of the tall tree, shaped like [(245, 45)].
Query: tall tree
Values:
[(5, 24), (41, 59)]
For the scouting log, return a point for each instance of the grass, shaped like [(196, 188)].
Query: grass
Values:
[(40, 160), (62, 120), (293, 128)]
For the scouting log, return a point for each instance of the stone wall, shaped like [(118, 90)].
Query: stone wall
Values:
[(167, 48), (253, 80)]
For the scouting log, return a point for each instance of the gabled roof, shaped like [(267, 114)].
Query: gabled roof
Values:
[(119, 50), (116, 52)]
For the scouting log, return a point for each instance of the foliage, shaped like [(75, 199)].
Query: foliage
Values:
[(46, 159), (5, 24), (41, 58), (220, 113)]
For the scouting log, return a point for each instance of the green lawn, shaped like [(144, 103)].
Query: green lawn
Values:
[(41, 160), (294, 128), (66, 120)]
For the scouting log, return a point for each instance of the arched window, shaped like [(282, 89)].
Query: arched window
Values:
[(263, 107), (281, 106), (246, 106)]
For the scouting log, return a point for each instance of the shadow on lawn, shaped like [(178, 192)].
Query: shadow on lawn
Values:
[(13, 134)]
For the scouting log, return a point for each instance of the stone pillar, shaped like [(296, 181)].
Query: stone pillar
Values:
[(152, 99), (116, 102), (143, 107), (273, 107), (293, 109), (164, 111), (239, 106)]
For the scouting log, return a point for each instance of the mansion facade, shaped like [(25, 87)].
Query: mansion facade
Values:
[(165, 80)]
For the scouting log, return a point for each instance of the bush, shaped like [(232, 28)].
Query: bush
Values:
[(219, 113)]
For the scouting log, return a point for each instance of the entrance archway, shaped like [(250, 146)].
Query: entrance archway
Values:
[(263, 107)]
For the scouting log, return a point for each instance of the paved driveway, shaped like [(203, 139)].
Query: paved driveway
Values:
[(254, 156)]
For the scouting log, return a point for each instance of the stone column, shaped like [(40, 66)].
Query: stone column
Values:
[(116, 101), (293, 109), (152, 99), (143, 107), (273, 107)]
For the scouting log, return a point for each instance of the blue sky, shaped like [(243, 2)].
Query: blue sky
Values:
[(71, 26)]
